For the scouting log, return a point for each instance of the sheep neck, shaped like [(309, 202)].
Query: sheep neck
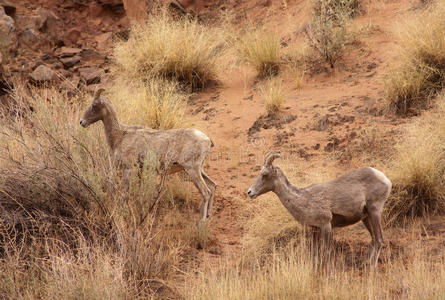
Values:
[(113, 130), (288, 194)]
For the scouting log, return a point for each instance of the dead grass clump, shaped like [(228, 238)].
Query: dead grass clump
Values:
[(66, 223), (417, 170), (156, 103), (420, 72), (260, 50), (181, 49), (289, 275), (327, 32), (274, 95)]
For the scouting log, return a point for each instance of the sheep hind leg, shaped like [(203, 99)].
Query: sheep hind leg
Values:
[(375, 222), (326, 244), (212, 186), (195, 175), (366, 221)]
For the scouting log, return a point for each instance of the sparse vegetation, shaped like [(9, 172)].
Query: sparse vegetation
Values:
[(419, 73), (417, 170), (182, 50), (274, 95), (260, 50)]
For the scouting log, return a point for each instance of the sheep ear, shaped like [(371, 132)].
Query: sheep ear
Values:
[(96, 99), (270, 157)]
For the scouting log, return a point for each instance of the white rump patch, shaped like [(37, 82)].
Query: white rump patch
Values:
[(382, 177), (200, 134)]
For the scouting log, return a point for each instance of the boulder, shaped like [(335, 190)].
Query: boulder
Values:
[(91, 75), (72, 36), (136, 10), (43, 74), (46, 21), (8, 36), (32, 39), (68, 52), (69, 62), (104, 41), (10, 8), (92, 58)]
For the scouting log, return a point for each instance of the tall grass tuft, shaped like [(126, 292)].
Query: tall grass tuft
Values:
[(417, 170), (261, 50), (420, 71), (182, 50), (274, 95), (156, 103)]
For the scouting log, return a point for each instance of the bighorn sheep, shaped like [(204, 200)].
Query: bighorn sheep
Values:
[(185, 149), (356, 196)]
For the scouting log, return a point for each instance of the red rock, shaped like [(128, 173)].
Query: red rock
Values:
[(43, 74), (70, 61), (8, 36), (136, 10), (72, 37), (91, 74), (67, 51), (9, 7), (104, 40)]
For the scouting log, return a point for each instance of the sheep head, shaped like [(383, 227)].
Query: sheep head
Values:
[(267, 178), (96, 111)]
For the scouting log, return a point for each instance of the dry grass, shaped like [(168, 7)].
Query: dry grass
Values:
[(66, 224), (289, 275), (182, 50), (156, 103), (274, 95), (419, 73), (261, 50), (417, 169)]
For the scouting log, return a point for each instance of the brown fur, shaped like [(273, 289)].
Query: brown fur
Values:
[(356, 196), (176, 149)]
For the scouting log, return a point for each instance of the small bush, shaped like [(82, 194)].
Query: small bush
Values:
[(338, 9), (156, 103), (417, 170), (327, 32), (420, 71), (260, 50), (274, 95), (175, 49)]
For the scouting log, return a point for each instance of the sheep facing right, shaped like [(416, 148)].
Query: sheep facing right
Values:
[(355, 196)]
